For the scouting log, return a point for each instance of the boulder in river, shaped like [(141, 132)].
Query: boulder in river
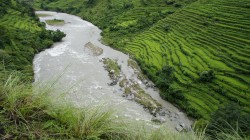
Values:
[(179, 128), (92, 49), (130, 96), (111, 71), (114, 82), (182, 125), (162, 113), (159, 119)]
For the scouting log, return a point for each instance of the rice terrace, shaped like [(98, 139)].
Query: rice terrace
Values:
[(170, 68)]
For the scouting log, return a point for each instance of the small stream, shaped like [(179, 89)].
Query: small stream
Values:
[(87, 76)]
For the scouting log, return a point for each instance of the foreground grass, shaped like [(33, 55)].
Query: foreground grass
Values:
[(28, 113), (32, 116)]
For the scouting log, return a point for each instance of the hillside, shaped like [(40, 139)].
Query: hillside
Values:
[(196, 51), (22, 36)]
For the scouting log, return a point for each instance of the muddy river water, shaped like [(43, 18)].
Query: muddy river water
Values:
[(87, 78)]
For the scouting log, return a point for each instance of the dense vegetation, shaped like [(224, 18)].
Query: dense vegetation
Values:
[(22, 36), (196, 51)]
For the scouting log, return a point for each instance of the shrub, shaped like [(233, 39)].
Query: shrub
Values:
[(166, 27), (177, 5), (128, 5), (170, 12), (57, 35), (169, 2), (207, 76)]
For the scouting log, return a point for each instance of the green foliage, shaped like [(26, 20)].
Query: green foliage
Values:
[(228, 118), (207, 76), (166, 77), (90, 2), (22, 35), (166, 27), (56, 22), (52, 35), (57, 35)]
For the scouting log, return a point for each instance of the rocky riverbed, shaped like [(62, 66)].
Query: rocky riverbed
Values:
[(132, 91), (130, 88)]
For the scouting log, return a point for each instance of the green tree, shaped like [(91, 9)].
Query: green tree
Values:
[(207, 76), (91, 2), (165, 77), (57, 35)]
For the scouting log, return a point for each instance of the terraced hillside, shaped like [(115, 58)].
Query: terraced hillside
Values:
[(204, 36), (21, 36), (196, 51)]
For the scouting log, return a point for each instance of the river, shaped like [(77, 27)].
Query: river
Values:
[(86, 76)]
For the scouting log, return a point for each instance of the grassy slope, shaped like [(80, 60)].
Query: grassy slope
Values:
[(192, 37)]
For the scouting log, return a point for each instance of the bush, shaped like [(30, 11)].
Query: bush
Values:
[(177, 5), (207, 76), (166, 27), (57, 35), (169, 2), (128, 5)]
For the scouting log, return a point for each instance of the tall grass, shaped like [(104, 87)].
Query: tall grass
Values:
[(28, 113), (228, 132)]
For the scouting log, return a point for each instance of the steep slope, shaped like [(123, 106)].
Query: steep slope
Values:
[(197, 52)]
